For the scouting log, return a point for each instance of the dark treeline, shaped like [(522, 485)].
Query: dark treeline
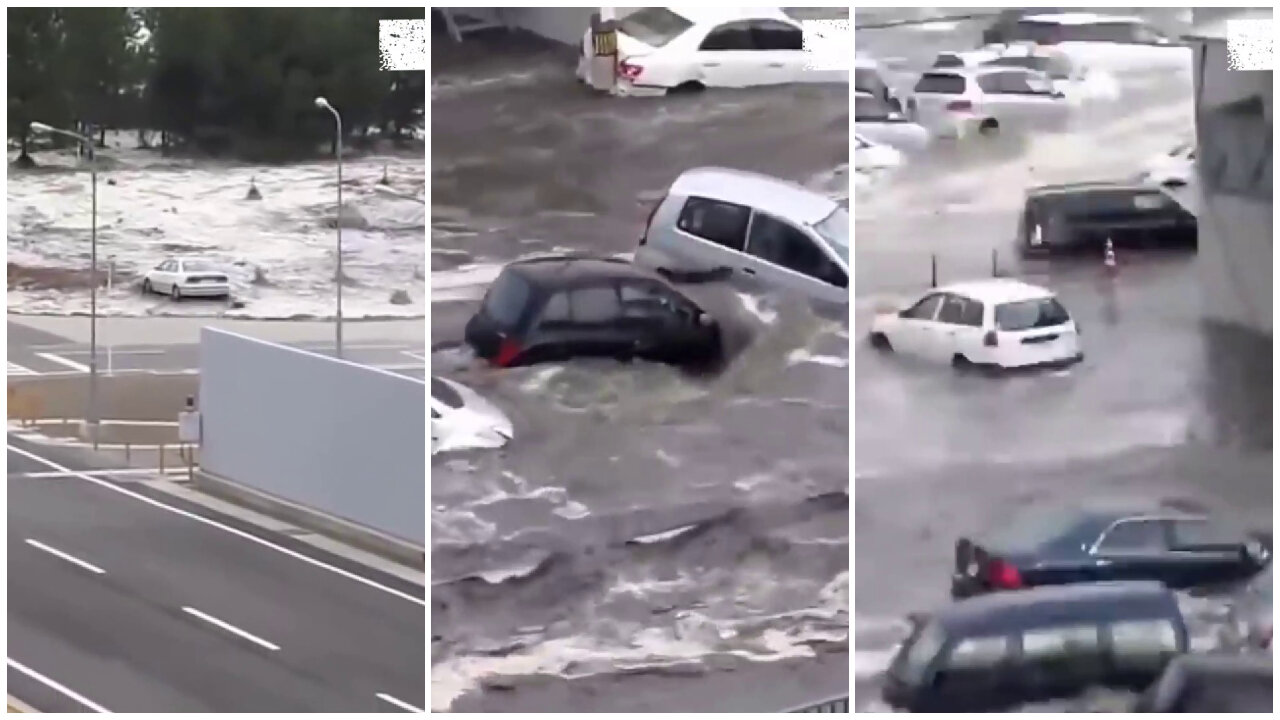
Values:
[(233, 82)]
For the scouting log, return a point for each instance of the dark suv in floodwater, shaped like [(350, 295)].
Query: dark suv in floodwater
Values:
[(557, 308)]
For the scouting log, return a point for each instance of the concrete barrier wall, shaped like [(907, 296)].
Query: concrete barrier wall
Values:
[(333, 436)]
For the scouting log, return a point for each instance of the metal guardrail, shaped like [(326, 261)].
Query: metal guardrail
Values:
[(831, 705)]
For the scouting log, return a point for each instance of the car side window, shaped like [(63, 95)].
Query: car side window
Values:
[(990, 83), (952, 311), (729, 36), (556, 310), (643, 300), (925, 309), (974, 313), (1142, 644), (776, 35), (1061, 643), (594, 304), (1014, 83), (720, 222), (435, 414), (1133, 536), (782, 244), (971, 662)]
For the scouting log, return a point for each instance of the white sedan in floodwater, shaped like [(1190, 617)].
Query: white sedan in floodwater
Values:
[(997, 323), (463, 420), (183, 278)]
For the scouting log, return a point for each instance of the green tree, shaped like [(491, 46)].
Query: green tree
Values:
[(35, 90)]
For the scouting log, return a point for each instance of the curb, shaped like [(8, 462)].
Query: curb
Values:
[(17, 706), (381, 544)]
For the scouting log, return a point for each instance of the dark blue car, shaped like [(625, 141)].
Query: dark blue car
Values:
[(1180, 550)]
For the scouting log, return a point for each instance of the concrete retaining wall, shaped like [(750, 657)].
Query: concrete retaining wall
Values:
[(333, 436)]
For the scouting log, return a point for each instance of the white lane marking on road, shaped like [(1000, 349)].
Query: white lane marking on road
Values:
[(230, 628), (117, 351), (399, 703), (215, 524), (66, 556), (104, 473), (78, 367), (16, 369), (56, 686), (414, 355)]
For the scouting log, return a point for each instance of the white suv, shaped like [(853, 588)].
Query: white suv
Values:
[(998, 324)]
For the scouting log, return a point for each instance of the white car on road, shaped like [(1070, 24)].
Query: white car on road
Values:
[(463, 420), (952, 103), (689, 48), (1121, 44), (881, 123), (184, 278), (1078, 82), (996, 323)]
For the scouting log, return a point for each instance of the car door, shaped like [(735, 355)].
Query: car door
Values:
[(647, 318), (727, 57), (1202, 553), (959, 330), (779, 51), (1133, 549), (716, 232), (915, 326), (974, 674), (166, 275), (786, 257), (552, 335), (597, 328)]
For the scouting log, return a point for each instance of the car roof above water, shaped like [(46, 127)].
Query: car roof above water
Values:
[(1049, 604), (787, 200), (559, 271), (997, 290), (1080, 18)]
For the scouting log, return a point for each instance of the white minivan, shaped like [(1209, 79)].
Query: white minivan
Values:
[(998, 324)]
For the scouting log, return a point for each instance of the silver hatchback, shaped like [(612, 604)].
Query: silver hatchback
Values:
[(759, 231)]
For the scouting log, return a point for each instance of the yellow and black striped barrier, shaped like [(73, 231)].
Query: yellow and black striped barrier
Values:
[(605, 42)]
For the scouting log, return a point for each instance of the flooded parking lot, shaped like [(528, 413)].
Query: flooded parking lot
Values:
[(1163, 410), (647, 531)]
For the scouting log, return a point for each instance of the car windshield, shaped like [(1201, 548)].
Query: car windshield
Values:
[(834, 229), (442, 391), (1113, 31), (1031, 314), (506, 300), (941, 84), (867, 108), (915, 655), (1055, 67), (653, 26), (1031, 531)]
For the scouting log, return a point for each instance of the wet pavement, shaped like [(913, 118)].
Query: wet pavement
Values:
[(1164, 409), (649, 540)]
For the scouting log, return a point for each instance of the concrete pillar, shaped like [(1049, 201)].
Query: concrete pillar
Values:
[(603, 68)]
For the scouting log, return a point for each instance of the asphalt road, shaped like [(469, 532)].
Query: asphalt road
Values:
[(124, 598), (32, 352)]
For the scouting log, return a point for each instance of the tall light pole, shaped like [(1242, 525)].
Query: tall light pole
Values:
[(91, 418), (324, 104)]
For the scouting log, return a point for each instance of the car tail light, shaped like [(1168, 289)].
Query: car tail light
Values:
[(1003, 575), (960, 106), (991, 339), (644, 236), (629, 70), (508, 349)]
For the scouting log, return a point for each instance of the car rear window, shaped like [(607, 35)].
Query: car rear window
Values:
[(507, 298), (1030, 531), (443, 392), (1031, 314), (1056, 68), (654, 26), (941, 84)]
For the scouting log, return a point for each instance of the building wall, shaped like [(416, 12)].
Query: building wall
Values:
[(331, 435), (1234, 164)]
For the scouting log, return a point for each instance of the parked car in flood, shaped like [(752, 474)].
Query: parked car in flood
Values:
[(1250, 615), (1082, 217), (181, 278), (560, 307), (995, 652), (462, 420), (760, 231), (1211, 683), (988, 98), (1060, 546), (884, 123), (1118, 43)]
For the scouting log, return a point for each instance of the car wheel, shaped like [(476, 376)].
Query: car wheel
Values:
[(880, 341), (691, 86), (961, 363), (146, 287), (175, 292), (988, 127)]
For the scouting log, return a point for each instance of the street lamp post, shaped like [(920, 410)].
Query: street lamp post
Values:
[(92, 415), (324, 104)]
